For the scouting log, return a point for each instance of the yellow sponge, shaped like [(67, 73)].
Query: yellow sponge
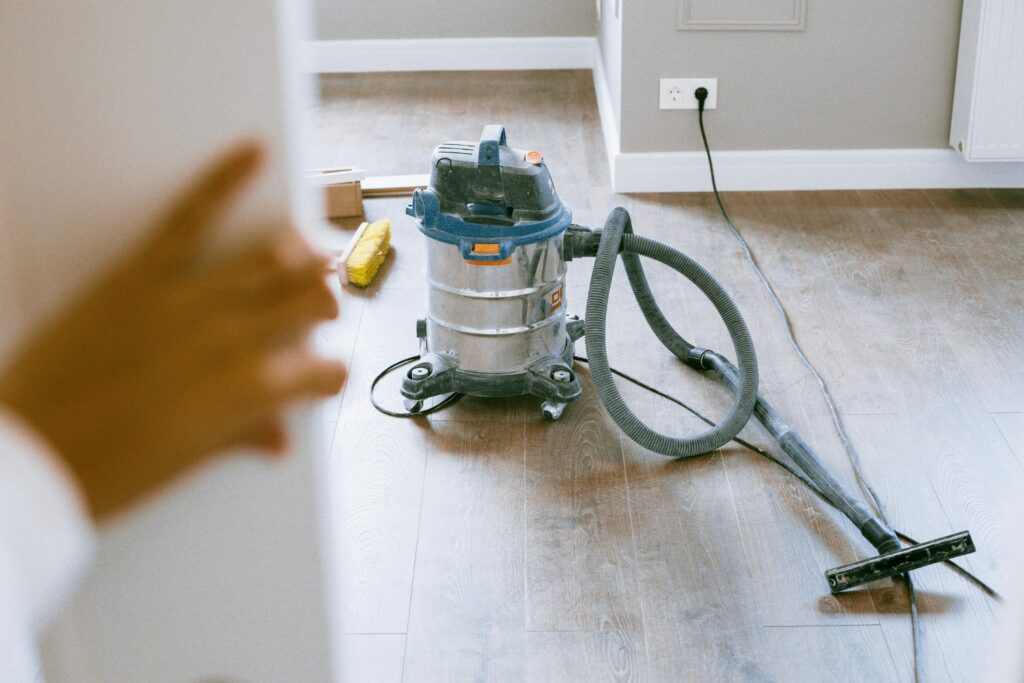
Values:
[(365, 253)]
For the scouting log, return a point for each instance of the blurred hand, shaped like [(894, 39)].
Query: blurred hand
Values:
[(169, 358)]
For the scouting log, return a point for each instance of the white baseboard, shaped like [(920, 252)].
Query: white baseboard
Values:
[(841, 169), (452, 54), (809, 169)]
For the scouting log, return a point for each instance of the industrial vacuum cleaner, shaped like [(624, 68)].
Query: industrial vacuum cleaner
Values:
[(498, 243)]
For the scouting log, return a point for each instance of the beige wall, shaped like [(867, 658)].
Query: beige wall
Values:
[(861, 75), (866, 74), (348, 20)]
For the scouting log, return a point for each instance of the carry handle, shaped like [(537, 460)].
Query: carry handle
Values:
[(492, 139), (468, 247)]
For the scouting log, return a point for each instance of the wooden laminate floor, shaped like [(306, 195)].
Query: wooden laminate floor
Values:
[(483, 544)]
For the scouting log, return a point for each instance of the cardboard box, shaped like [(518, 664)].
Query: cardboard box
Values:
[(344, 200), (342, 191)]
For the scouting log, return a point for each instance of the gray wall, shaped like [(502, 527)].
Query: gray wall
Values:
[(865, 74), (352, 19)]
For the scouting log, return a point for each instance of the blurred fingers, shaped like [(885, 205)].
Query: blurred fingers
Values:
[(247, 330), (263, 271), (204, 200), (306, 305), (243, 398), (301, 375), (270, 436)]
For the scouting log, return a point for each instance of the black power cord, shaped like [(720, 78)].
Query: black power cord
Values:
[(915, 620), (789, 468), (451, 399), (701, 95)]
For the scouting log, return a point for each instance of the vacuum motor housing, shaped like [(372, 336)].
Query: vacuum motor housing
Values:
[(496, 320)]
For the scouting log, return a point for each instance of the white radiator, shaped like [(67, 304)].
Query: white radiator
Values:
[(988, 104)]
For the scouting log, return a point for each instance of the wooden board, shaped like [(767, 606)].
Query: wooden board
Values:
[(394, 186)]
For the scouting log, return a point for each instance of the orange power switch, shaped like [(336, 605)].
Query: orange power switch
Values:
[(534, 158)]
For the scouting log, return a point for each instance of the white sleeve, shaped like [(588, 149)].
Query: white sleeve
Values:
[(46, 543)]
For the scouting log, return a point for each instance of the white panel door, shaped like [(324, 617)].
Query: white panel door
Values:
[(105, 108)]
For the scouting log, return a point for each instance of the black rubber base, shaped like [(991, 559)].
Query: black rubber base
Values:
[(440, 374)]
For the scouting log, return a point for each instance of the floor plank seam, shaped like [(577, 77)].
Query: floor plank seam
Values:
[(344, 388), (850, 625), (735, 510), (636, 556), (415, 556), (1006, 439), (956, 236), (888, 646), (526, 531)]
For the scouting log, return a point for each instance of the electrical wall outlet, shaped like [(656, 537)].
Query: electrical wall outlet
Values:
[(677, 93)]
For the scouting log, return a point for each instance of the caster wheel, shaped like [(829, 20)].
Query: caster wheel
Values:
[(552, 410), (413, 405)]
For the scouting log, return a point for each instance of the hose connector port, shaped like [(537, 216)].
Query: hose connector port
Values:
[(580, 242), (695, 358)]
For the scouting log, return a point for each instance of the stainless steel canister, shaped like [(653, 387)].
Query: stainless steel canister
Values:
[(496, 318)]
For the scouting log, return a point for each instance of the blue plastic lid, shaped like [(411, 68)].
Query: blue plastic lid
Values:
[(488, 193), (453, 229)]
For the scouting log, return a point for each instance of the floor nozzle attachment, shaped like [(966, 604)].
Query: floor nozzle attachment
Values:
[(900, 561)]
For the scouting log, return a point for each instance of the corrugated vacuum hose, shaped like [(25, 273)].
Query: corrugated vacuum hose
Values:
[(617, 239), (497, 325), (617, 236)]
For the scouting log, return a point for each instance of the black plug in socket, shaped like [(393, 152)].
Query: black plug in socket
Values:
[(701, 94)]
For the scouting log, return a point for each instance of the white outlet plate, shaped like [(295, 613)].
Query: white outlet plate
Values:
[(677, 93)]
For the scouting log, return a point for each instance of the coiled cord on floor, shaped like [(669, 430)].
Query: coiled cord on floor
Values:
[(447, 401)]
